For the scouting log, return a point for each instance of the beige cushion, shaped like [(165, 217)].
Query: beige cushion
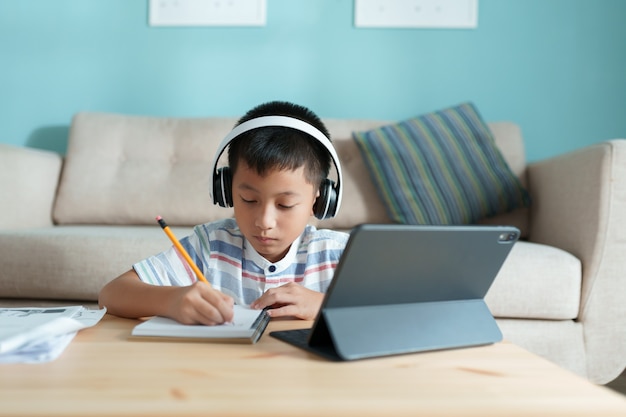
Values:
[(537, 282), (74, 262), (28, 179), (547, 288), (128, 169)]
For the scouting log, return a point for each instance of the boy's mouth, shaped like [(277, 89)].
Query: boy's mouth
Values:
[(265, 239)]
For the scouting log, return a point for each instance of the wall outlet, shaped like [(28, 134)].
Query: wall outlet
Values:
[(416, 13), (207, 12)]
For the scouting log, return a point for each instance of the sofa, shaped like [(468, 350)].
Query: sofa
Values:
[(69, 224)]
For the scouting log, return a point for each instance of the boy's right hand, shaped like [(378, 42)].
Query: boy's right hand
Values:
[(200, 304)]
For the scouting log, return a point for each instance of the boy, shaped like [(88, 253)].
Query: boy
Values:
[(268, 255)]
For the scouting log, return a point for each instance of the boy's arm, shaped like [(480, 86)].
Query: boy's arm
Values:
[(127, 296)]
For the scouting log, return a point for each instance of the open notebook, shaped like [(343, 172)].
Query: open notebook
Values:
[(400, 289), (247, 327)]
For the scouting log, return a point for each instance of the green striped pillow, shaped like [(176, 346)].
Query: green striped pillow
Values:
[(440, 168)]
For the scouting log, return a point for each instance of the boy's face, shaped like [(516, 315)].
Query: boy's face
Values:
[(272, 210)]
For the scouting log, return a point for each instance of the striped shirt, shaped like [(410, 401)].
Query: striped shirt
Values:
[(235, 268)]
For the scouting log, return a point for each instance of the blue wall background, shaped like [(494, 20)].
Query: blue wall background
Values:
[(556, 67)]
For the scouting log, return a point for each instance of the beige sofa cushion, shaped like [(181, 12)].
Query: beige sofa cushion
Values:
[(547, 288), (128, 169), (29, 182), (74, 262)]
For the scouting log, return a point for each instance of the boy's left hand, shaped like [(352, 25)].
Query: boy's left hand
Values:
[(290, 300)]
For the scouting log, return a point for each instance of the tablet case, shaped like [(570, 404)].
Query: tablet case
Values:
[(401, 289)]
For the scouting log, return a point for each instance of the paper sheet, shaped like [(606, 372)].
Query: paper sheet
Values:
[(34, 335)]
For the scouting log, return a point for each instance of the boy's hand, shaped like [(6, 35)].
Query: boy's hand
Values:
[(200, 304), (290, 300)]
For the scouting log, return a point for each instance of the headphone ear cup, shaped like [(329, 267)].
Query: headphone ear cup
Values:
[(223, 188), (325, 206)]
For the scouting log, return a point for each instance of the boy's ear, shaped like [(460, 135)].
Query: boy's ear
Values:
[(317, 195)]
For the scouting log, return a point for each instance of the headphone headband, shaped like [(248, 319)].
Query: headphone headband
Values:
[(280, 121)]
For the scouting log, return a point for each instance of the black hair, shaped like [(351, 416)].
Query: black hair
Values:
[(283, 148)]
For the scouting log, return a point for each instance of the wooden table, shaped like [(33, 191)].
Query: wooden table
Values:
[(103, 373)]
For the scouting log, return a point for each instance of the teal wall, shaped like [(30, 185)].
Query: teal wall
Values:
[(556, 67)]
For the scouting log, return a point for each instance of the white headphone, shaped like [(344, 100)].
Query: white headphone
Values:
[(327, 204)]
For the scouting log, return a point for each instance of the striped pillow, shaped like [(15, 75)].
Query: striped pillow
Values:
[(440, 168)]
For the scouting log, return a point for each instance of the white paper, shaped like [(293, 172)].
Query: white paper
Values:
[(32, 334)]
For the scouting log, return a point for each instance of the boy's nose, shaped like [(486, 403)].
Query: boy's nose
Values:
[(266, 218)]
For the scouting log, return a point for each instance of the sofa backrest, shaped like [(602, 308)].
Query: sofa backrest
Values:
[(28, 184), (122, 169)]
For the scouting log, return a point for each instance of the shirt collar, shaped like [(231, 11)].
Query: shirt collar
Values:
[(271, 268)]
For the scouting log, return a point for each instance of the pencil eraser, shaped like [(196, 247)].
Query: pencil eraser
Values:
[(159, 218)]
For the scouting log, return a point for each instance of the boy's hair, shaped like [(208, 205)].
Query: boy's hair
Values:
[(281, 148)]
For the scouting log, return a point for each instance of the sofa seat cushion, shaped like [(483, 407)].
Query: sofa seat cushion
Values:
[(537, 282), (73, 262)]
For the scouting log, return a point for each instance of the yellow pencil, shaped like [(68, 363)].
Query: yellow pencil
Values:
[(181, 250)]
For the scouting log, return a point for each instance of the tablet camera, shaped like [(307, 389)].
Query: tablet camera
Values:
[(509, 237)]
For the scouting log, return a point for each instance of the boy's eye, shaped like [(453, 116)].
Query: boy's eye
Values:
[(285, 206), (245, 200)]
